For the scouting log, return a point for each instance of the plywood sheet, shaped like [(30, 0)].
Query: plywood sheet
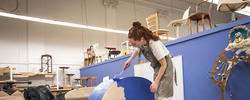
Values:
[(114, 93)]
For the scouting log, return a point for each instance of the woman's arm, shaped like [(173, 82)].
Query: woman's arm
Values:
[(127, 64), (133, 55), (163, 68)]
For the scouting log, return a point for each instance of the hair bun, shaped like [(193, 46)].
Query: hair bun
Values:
[(136, 24)]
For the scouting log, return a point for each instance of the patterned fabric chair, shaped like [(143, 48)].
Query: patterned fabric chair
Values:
[(200, 16)]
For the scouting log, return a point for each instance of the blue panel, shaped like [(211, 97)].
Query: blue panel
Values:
[(136, 88), (99, 91)]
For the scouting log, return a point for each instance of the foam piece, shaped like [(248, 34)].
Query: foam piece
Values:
[(114, 93), (99, 91), (79, 94)]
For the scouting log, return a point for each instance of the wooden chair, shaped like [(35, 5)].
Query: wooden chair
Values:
[(46, 63), (86, 59), (90, 56), (180, 22), (153, 25), (88, 80), (200, 16)]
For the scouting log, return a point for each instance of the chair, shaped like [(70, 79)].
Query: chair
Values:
[(90, 56), (231, 6), (46, 63), (88, 80), (86, 59), (180, 22), (153, 24), (114, 53), (200, 16)]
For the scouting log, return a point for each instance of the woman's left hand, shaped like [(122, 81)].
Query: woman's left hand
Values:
[(153, 87)]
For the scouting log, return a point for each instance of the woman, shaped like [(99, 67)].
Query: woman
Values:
[(154, 51)]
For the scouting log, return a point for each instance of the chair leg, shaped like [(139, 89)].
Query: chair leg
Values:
[(210, 21), (197, 25), (89, 61), (203, 22), (177, 31), (81, 83), (109, 56), (167, 36), (93, 61), (190, 26), (90, 82), (87, 81), (95, 82)]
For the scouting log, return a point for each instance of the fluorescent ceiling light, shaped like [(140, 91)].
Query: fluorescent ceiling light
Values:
[(60, 23), (245, 11), (47, 21), (170, 38)]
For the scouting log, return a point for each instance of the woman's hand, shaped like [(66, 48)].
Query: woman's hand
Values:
[(127, 64), (153, 87)]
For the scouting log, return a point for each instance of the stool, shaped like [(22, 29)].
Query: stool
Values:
[(69, 76), (63, 69), (114, 53), (98, 59), (78, 81), (90, 81), (109, 50)]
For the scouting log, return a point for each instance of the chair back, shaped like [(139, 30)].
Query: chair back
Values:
[(209, 9), (88, 81), (186, 13), (152, 23)]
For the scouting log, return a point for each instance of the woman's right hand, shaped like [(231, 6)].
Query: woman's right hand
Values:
[(127, 64)]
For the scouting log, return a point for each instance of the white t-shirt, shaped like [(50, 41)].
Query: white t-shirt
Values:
[(158, 49)]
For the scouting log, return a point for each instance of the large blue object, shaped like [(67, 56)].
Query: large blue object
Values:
[(99, 91), (199, 52), (238, 80), (135, 88)]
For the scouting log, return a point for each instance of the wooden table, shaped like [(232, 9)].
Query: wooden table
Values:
[(10, 83)]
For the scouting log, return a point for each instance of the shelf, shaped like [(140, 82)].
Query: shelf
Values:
[(33, 74)]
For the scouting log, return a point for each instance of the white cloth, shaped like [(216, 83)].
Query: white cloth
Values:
[(158, 48)]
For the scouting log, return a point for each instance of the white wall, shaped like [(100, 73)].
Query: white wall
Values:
[(146, 71), (22, 43)]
